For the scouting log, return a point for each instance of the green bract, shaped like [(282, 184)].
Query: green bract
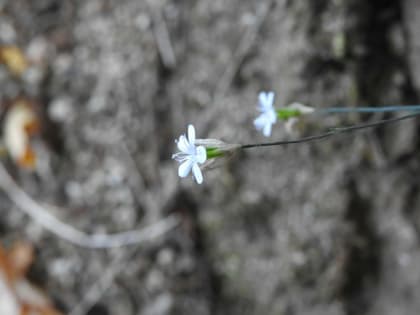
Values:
[(287, 113), (214, 152)]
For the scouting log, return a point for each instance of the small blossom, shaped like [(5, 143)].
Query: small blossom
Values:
[(190, 155), (268, 116)]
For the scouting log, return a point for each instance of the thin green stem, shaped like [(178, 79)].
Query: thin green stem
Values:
[(383, 109), (331, 133)]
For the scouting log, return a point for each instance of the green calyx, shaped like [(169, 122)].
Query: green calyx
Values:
[(213, 153), (286, 113)]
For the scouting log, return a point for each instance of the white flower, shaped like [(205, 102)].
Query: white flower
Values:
[(190, 155), (268, 116)]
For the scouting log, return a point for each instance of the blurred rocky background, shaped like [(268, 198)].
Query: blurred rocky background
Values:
[(328, 228)]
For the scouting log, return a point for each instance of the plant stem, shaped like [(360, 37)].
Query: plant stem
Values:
[(383, 109), (331, 133)]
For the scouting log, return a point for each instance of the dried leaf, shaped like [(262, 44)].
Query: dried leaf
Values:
[(20, 124), (14, 59), (17, 295)]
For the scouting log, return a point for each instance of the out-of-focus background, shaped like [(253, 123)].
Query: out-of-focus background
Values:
[(328, 228)]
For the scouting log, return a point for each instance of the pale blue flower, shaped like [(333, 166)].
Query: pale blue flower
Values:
[(268, 116), (190, 155)]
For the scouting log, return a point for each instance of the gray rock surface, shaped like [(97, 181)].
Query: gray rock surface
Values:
[(329, 227)]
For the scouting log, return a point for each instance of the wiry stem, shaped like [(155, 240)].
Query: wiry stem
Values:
[(331, 133), (383, 109)]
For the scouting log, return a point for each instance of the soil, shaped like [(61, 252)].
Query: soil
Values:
[(330, 227)]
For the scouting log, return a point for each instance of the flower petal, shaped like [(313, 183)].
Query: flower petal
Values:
[(262, 98), (260, 122), (266, 100), (271, 116), (201, 154), (197, 173), (191, 134), (185, 168), (267, 130), (183, 144), (177, 156), (270, 99)]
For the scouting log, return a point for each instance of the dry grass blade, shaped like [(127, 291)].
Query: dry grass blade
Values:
[(67, 232)]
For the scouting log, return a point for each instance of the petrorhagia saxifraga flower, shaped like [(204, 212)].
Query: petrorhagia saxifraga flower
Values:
[(269, 114), (190, 155), (199, 151)]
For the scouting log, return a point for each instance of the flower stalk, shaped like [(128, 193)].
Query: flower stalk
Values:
[(194, 152), (332, 132), (369, 109), (197, 154)]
